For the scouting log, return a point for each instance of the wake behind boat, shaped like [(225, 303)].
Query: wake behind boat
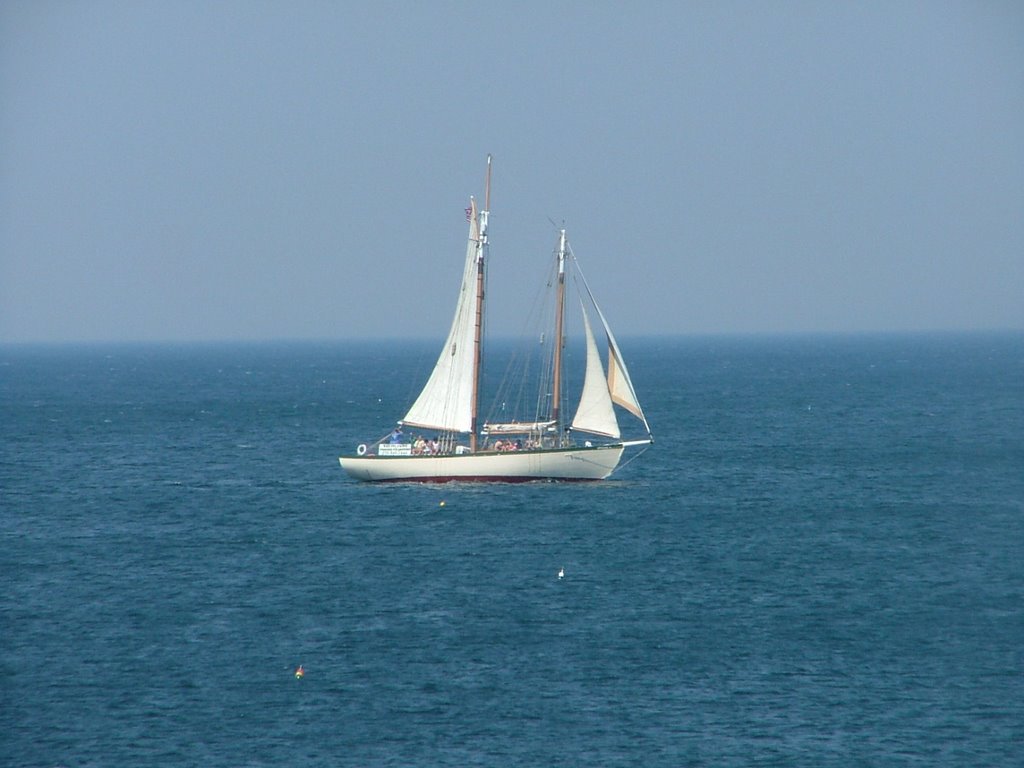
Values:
[(450, 443)]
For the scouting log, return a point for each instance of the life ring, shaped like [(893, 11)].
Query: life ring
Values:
[(361, 450)]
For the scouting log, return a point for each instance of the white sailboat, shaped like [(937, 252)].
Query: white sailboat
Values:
[(542, 447)]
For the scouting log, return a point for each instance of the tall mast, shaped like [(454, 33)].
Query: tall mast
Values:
[(556, 385), (479, 320)]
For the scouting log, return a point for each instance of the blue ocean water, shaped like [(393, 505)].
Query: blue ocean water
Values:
[(819, 563)]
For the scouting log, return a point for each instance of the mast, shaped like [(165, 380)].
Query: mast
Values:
[(479, 320), (556, 385)]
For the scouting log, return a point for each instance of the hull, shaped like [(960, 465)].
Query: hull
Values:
[(521, 466)]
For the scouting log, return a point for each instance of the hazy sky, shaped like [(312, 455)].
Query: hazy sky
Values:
[(246, 170)]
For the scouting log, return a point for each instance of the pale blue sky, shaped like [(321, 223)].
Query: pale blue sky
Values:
[(250, 170)]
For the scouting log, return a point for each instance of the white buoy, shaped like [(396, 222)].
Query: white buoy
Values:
[(561, 572)]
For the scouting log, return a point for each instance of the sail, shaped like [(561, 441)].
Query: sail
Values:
[(518, 427), (595, 413), (446, 401), (619, 384)]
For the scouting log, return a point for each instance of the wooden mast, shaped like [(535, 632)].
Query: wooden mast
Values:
[(479, 320), (556, 385)]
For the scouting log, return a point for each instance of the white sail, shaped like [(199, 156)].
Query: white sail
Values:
[(595, 413), (619, 384), (446, 401)]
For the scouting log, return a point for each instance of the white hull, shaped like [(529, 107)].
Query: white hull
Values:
[(566, 464)]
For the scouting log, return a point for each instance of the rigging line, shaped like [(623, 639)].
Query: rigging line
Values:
[(545, 380), (554, 226), (634, 458), (591, 461), (518, 372), (423, 359)]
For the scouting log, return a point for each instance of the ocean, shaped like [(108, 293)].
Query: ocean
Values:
[(820, 562)]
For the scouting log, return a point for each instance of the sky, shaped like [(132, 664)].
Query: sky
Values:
[(195, 171)]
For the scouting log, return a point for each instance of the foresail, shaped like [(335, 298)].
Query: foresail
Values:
[(595, 413), (446, 401), (619, 384)]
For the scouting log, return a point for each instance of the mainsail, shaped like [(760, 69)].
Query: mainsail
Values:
[(446, 401)]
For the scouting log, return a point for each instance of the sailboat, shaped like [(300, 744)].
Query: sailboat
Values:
[(460, 446)]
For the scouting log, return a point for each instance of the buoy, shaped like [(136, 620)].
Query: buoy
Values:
[(361, 450), (299, 672), (441, 504), (561, 572)]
